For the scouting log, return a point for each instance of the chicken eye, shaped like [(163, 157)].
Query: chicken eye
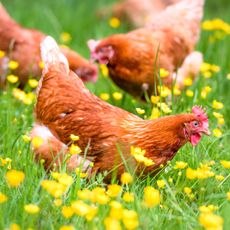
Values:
[(195, 123)]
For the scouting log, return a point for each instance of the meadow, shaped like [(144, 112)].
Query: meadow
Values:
[(191, 192)]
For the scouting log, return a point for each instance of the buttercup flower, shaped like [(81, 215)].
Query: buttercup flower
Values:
[(104, 70), (31, 208), (164, 73), (75, 149), (3, 198), (180, 165), (128, 197), (12, 78), (217, 105), (140, 111), (151, 197), (117, 96), (126, 178), (13, 64), (67, 211), (65, 37), (114, 22), (114, 190), (104, 96), (225, 164), (14, 178), (33, 83), (160, 183), (217, 132)]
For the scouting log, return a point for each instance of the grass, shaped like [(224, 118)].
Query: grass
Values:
[(177, 210)]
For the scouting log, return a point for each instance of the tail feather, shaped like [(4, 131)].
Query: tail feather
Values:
[(51, 55)]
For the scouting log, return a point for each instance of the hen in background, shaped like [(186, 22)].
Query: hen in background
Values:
[(137, 13), (64, 107), (23, 46), (135, 58)]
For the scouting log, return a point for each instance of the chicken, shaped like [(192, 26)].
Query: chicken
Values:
[(134, 58), (64, 107), (137, 13), (22, 46)]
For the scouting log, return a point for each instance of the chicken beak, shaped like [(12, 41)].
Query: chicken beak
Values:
[(206, 132)]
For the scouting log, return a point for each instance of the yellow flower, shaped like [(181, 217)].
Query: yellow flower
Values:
[(12, 78), (99, 196), (3, 198), (57, 202), (217, 133), (220, 121), (219, 177), (207, 74), (228, 195), (160, 183), (37, 142), (126, 178), (180, 165), (114, 190), (155, 113), (114, 22), (187, 190), (2, 53), (164, 91), (203, 172), (74, 137), (104, 96), (205, 91), (155, 99), (130, 219), (65, 37), (225, 164), (14, 227), (26, 138), (215, 68), (164, 73), (117, 96), (128, 197), (116, 210), (33, 83), (67, 211), (176, 91), (54, 188), (140, 111), (205, 67), (31, 208), (13, 65), (5, 161), (112, 224), (138, 154), (80, 173), (217, 115), (67, 227), (104, 70), (211, 221), (80, 208), (92, 213), (188, 81), (217, 105), (14, 178), (74, 149), (228, 76), (189, 93), (209, 208), (41, 64), (164, 107), (151, 197)]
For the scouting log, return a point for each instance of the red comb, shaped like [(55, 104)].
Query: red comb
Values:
[(199, 111)]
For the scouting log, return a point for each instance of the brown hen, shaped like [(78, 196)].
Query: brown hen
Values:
[(134, 59), (22, 46), (137, 13), (64, 107)]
